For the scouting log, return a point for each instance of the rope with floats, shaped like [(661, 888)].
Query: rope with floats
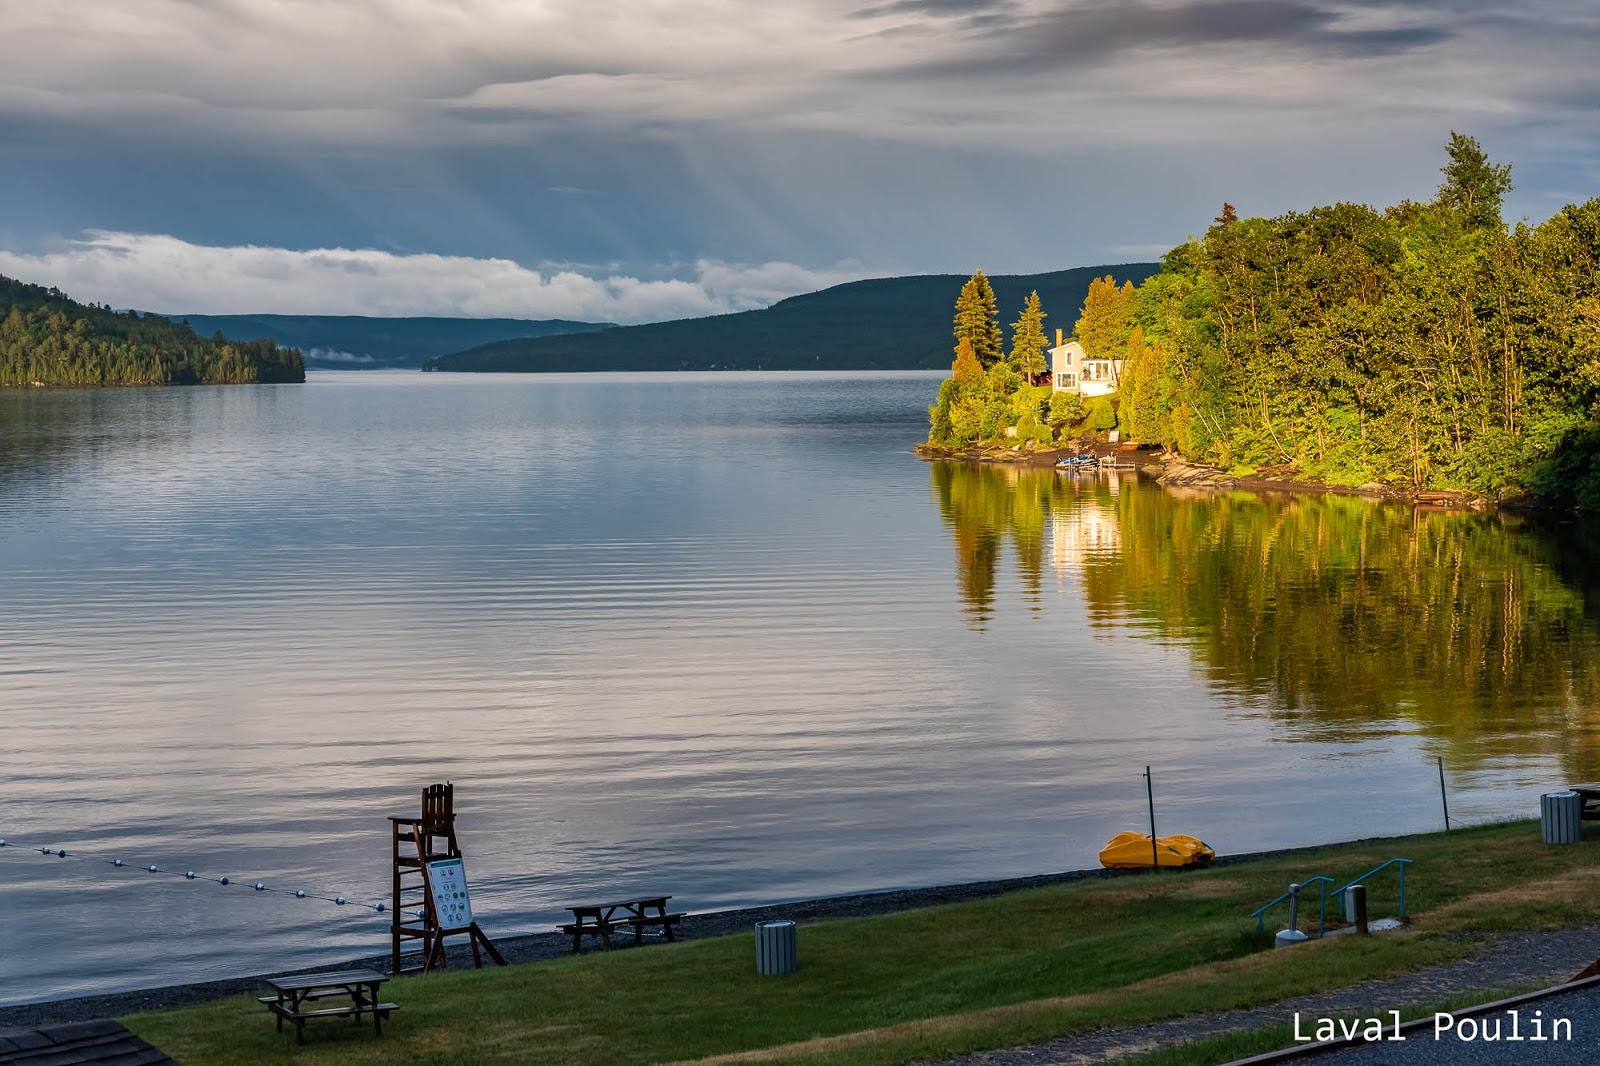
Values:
[(188, 875)]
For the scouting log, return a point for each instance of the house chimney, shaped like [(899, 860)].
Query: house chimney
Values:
[(1058, 337)]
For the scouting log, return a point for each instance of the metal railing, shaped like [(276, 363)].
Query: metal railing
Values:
[(1293, 895), (1401, 863)]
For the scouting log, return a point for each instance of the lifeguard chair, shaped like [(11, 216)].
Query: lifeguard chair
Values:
[(416, 842)]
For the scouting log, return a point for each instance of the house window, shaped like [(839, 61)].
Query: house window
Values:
[(1064, 381)]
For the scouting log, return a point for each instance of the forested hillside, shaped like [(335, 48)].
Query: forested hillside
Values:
[(1422, 345), (47, 338), (354, 342), (881, 324), (1425, 344)]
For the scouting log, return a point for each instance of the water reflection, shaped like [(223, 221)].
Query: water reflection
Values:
[(1328, 614)]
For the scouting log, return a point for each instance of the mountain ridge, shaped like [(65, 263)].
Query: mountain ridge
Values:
[(373, 341), (894, 323)]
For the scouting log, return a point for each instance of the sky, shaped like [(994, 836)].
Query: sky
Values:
[(636, 160)]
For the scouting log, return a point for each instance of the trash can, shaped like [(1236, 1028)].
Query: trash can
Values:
[(775, 954), (1561, 817)]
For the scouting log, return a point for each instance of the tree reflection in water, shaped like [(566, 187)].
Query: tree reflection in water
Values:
[(1328, 613)]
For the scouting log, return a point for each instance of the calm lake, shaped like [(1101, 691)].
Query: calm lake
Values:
[(718, 635)]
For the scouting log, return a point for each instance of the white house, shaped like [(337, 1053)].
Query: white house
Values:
[(1074, 370)]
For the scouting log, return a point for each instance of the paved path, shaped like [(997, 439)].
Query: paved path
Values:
[(1533, 958)]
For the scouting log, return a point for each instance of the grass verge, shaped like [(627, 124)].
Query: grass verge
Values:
[(941, 980)]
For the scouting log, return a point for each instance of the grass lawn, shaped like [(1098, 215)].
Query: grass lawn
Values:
[(941, 980)]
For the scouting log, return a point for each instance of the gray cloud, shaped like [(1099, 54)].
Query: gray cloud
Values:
[(912, 135), (1101, 33)]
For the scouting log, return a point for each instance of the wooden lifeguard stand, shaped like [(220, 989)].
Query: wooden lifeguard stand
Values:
[(415, 842)]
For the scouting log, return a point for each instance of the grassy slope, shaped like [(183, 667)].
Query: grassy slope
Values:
[(881, 324), (941, 980)]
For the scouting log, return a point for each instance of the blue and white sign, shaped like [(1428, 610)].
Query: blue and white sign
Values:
[(447, 887)]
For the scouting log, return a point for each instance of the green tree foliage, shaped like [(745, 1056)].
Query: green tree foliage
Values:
[(1473, 187), (1102, 414), (1028, 342), (48, 339), (1067, 409), (977, 319), (1427, 344), (1106, 320), (1142, 410)]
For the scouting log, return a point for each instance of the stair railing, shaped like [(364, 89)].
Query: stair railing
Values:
[(1322, 883), (1401, 863)]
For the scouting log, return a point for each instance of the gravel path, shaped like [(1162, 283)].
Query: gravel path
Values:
[(1531, 958)]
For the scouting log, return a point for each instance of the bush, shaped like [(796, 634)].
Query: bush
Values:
[(1103, 414), (1067, 409), (1571, 477)]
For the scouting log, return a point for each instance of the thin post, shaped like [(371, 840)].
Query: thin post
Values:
[(1150, 794), (1294, 907), (1402, 890), (1444, 799)]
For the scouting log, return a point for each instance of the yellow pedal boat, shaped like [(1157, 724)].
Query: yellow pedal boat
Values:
[(1132, 851)]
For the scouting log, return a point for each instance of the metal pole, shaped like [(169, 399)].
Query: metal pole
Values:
[(1358, 906), (1444, 799), (1150, 794)]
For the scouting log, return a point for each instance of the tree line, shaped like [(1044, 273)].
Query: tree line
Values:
[(1426, 344), (46, 338)]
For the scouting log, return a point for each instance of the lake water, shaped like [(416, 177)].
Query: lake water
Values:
[(721, 636)]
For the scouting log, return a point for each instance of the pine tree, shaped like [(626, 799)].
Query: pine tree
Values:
[(1027, 339), (977, 319), (966, 369)]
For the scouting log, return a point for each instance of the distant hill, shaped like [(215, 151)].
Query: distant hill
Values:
[(48, 338), (354, 342), (881, 324)]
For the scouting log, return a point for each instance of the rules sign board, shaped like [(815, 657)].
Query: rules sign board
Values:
[(447, 885)]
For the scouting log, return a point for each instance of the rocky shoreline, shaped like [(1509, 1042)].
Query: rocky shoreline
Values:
[(1171, 470)]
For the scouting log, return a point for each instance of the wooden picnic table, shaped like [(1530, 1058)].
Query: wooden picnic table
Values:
[(599, 919), (291, 996), (1590, 791)]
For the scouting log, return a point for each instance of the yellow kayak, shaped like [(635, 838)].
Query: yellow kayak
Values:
[(1132, 850)]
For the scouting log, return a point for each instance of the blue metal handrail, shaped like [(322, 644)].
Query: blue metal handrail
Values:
[(1322, 884), (1402, 863)]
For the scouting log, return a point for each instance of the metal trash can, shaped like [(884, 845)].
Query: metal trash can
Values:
[(775, 952), (1561, 817)]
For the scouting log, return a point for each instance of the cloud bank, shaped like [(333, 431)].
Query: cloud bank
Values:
[(164, 273), (913, 135)]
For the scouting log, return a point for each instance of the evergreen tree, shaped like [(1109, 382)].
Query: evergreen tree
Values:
[(1028, 342), (966, 370), (977, 319)]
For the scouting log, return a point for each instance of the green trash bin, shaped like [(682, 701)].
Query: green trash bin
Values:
[(775, 954)]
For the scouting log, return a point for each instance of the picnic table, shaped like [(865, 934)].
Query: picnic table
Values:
[(356, 991), (1590, 792), (599, 919)]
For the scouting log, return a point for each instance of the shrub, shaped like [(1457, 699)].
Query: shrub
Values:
[(1103, 414), (1067, 409)]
